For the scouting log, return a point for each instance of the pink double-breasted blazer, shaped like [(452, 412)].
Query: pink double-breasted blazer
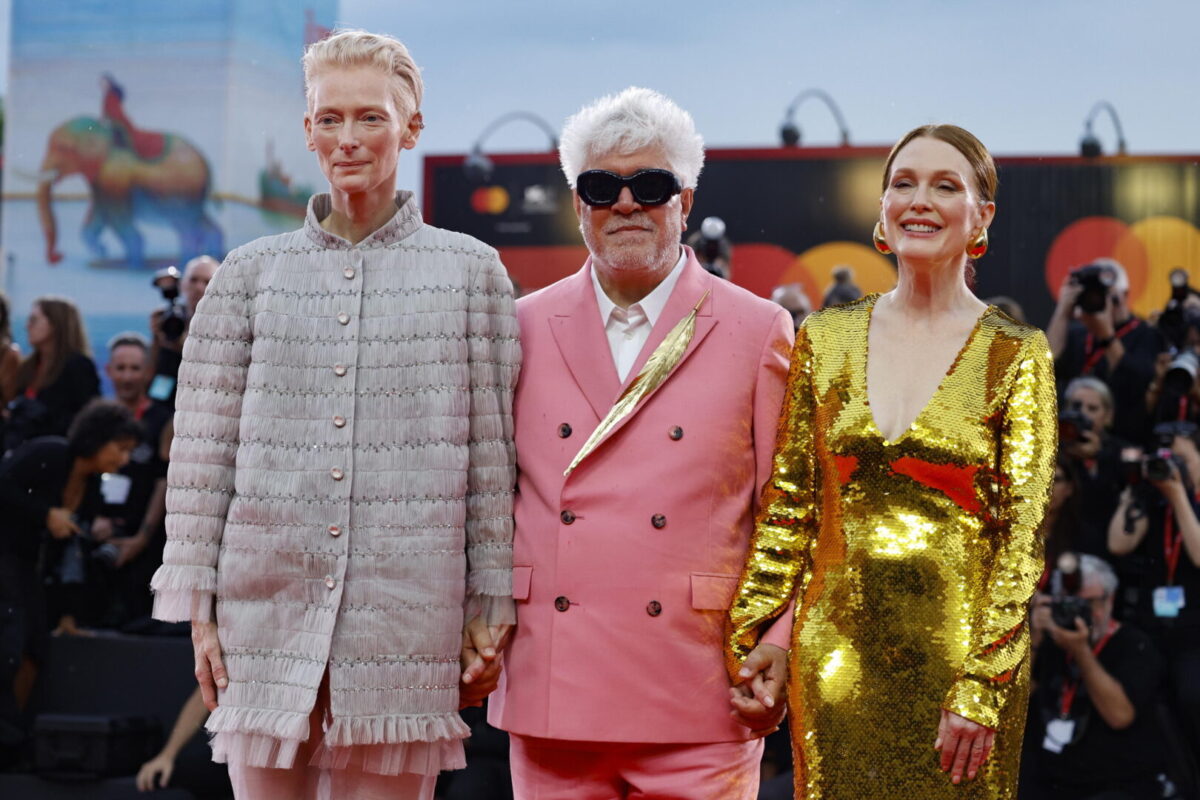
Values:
[(623, 571)]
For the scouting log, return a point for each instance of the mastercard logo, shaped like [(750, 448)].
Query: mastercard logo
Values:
[(1148, 250), (490, 200)]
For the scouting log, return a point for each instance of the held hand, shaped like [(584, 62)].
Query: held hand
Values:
[(964, 745), (759, 694), (60, 524), (155, 773), (210, 669), (480, 660), (1074, 641)]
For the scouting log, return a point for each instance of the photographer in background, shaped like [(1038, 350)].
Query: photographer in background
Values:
[(1091, 732), (168, 326), (1084, 438), (1156, 533), (1093, 332)]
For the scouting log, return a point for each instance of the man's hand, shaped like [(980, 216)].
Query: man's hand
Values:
[(1100, 325), (759, 694), (155, 773), (1073, 641), (210, 669), (60, 524), (1068, 296), (480, 660), (964, 745)]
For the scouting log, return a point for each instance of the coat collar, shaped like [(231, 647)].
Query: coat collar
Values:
[(403, 223), (584, 347)]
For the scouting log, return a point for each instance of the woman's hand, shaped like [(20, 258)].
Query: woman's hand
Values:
[(210, 669), (480, 660), (60, 524), (964, 745), (758, 696), (155, 773)]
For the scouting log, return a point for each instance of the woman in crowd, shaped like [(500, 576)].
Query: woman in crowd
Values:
[(49, 492), (914, 459), (10, 355), (57, 378), (343, 467)]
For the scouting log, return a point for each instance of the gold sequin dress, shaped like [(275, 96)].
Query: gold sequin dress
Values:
[(914, 559)]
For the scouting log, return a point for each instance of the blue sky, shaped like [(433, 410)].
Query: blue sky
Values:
[(1022, 74)]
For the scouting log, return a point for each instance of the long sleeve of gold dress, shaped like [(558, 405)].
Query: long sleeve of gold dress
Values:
[(913, 560)]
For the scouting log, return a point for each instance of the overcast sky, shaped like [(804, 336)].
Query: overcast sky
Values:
[(1021, 74)]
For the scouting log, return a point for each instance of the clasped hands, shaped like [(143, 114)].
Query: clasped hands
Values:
[(481, 660), (758, 700)]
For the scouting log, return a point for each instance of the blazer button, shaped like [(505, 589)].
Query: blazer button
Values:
[(337, 474), (567, 517), (564, 431), (654, 608), (343, 318), (339, 370), (676, 433), (562, 603), (335, 531), (339, 421), (658, 521)]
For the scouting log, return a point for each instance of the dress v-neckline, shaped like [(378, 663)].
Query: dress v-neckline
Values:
[(866, 368)]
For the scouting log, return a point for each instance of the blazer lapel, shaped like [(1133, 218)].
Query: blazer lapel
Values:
[(583, 344), (693, 283)]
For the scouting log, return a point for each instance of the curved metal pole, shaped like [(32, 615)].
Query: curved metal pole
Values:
[(529, 116), (1104, 105), (832, 106)]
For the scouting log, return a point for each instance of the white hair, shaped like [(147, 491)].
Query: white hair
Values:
[(1120, 278), (1094, 568), (355, 48), (625, 123), (1096, 385)]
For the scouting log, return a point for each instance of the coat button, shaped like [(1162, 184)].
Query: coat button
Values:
[(339, 370), (659, 521), (676, 433), (562, 603), (339, 421), (335, 531), (564, 431), (343, 318), (336, 473), (349, 273), (654, 608), (567, 517), (330, 582)]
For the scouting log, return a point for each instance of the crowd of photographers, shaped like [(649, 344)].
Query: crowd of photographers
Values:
[(82, 481), (1115, 712)]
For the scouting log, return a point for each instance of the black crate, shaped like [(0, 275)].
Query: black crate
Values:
[(80, 746)]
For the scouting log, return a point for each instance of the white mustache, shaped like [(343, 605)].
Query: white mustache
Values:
[(642, 221)]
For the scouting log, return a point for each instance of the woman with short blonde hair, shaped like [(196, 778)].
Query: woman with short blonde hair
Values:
[(341, 480)]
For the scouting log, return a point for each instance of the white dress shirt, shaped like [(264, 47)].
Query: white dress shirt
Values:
[(629, 328)]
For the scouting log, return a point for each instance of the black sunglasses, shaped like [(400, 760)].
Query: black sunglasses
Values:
[(650, 187)]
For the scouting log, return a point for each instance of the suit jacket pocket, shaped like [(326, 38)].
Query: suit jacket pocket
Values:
[(521, 578), (711, 591)]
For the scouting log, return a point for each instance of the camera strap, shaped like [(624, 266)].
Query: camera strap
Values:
[(1071, 685), (1172, 545), (1093, 354)]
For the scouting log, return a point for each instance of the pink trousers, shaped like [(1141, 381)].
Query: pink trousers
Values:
[(548, 769), (305, 782)]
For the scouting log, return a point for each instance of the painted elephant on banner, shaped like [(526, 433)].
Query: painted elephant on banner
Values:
[(171, 189)]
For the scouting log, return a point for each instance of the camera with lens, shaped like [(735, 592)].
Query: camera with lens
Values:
[(174, 317), (1156, 465), (1096, 281), (1065, 603), (1177, 319), (1073, 424)]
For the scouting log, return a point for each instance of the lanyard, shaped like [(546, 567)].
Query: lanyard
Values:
[(143, 405), (1093, 355), (1070, 687), (1172, 545)]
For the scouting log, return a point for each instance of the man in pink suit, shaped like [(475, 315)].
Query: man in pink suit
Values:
[(614, 684)]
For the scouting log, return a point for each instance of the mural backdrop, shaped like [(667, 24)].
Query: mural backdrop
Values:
[(143, 133), (793, 215)]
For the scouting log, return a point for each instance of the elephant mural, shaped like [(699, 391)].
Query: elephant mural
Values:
[(171, 188)]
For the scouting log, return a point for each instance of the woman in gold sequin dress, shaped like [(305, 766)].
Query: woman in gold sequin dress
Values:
[(912, 469)]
